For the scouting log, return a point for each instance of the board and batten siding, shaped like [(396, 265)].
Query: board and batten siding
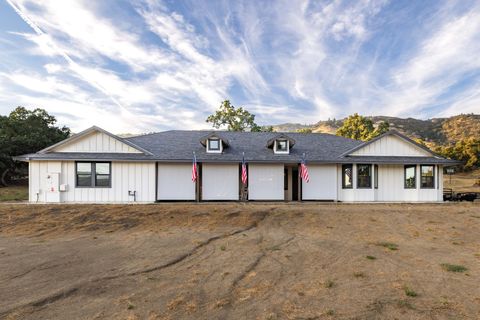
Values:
[(391, 146), (391, 182), (266, 182), (126, 176), (97, 142), (322, 184), (220, 181)]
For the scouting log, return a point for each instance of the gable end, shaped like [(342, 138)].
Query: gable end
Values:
[(95, 140), (391, 143)]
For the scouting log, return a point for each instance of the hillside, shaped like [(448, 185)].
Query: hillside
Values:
[(437, 130)]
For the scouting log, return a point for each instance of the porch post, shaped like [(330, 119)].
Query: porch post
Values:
[(197, 182), (299, 184)]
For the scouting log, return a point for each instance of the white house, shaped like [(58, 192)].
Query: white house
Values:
[(98, 167)]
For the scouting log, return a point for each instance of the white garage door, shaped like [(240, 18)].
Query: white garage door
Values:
[(265, 182), (322, 184), (220, 181), (175, 182)]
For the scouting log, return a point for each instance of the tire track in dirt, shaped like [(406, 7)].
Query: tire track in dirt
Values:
[(256, 262), (67, 292)]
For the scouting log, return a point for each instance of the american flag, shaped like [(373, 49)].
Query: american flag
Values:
[(244, 171), (304, 171), (194, 168)]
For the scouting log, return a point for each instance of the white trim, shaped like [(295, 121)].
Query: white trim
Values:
[(220, 141), (281, 152)]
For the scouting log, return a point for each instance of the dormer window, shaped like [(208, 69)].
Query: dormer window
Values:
[(281, 146), (214, 144)]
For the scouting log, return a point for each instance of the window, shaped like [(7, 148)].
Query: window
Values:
[(375, 169), (282, 146), (84, 174), (364, 176), (347, 171), (102, 174), (214, 144), (427, 176), (93, 174), (410, 176)]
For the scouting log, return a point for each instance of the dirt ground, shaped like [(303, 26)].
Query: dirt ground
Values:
[(463, 181), (237, 261)]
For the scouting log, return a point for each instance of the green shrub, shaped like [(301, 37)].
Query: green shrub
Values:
[(453, 267)]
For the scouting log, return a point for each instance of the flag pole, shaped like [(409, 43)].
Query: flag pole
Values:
[(243, 172), (197, 189)]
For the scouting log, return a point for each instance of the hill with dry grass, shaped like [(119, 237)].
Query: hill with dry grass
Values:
[(440, 131)]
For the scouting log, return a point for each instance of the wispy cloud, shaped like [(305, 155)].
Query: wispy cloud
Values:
[(157, 65)]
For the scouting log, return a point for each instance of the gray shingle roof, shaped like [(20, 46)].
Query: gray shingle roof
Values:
[(179, 145)]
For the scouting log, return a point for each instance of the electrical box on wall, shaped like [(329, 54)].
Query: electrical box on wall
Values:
[(52, 192), (63, 187)]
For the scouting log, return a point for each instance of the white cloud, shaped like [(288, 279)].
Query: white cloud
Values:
[(290, 61), (52, 67), (442, 61)]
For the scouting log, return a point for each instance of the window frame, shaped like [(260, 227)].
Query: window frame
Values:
[(405, 167), (369, 166), (433, 176), (277, 150), (344, 166), (93, 178), (375, 176), (210, 149)]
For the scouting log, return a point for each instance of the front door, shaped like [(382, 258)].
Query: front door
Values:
[(295, 184)]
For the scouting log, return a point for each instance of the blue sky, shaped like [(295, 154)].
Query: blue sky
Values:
[(144, 66)]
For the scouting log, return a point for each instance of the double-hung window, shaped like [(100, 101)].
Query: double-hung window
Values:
[(364, 176), (93, 174), (410, 176), (347, 176), (427, 176)]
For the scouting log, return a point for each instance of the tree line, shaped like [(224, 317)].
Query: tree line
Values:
[(28, 131), (25, 131), (354, 126)]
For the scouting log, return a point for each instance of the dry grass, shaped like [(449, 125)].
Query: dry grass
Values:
[(279, 261), (13, 193), (463, 181)]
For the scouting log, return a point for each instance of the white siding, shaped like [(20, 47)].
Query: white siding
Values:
[(96, 142), (220, 181), (353, 194), (37, 186), (391, 146), (391, 187), (322, 184), (175, 182), (126, 176), (265, 182)]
